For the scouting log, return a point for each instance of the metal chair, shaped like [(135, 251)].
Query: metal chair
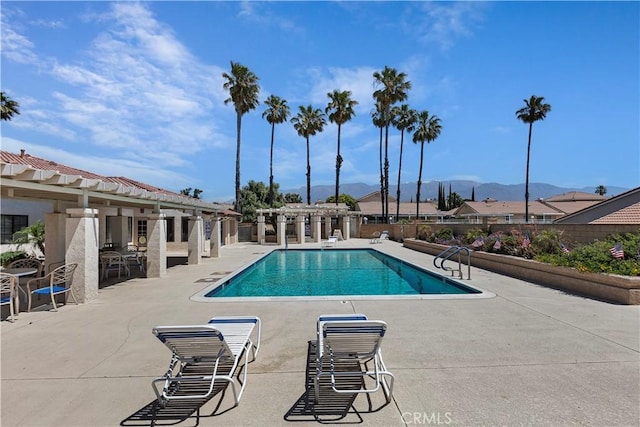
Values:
[(8, 285), (57, 282)]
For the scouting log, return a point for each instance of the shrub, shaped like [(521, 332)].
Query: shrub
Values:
[(7, 258)]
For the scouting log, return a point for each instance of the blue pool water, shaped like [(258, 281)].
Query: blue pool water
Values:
[(334, 272)]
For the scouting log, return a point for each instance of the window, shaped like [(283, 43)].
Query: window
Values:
[(171, 227), (142, 233), (11, 224), (185, 229)]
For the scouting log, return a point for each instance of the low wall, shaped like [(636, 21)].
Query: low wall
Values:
[(607, 287), (573, 233)]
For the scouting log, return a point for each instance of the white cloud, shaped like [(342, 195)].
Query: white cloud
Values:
[(443, 23)]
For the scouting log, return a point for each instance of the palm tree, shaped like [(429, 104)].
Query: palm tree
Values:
[(535, 110), (403, 118), (308, 122), (427, 129), (243, 88), (276, 113), (8, 107), (377, 116), (601, 190), (340, 111), (393, 88)]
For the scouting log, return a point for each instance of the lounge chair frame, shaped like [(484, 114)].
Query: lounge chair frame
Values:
[(356, 340), (212, 351)]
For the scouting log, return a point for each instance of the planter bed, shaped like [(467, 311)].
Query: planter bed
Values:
[(607, 287)]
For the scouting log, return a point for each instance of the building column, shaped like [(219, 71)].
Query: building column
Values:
[(216, 236), (281, 229), (300, 229), (316, 228), (261, 230), (54, 238), (233, 231), (81, 240), (327, 226), (194, 245), (346, 227), (156, 245)]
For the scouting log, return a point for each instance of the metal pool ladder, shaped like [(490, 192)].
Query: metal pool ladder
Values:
[(449, 253)]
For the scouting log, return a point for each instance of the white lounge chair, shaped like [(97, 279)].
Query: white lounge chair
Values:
[(384, 236), (351, 340), (330, 242), (205, 355)]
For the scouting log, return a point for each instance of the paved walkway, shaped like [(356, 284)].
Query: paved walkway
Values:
[(528, 356)]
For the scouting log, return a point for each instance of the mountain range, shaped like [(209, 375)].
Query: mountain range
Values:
[(463, 188)]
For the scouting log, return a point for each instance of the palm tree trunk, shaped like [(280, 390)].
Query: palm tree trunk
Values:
[(419, 185), (308, 175), (338, 165), (526, 185), (386, 174), (271, 196), (381, 175), (238, 205), (399, 173)]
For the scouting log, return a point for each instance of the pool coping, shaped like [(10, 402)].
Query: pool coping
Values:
[(200, 296)]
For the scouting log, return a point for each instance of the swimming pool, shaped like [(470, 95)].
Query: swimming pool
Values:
[(335, 273)]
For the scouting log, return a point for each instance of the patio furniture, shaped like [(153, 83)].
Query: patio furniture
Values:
[(359, 341), (112, 261), (27, 263), (8, 293), (57, 282), (330, 242), (205, 355)]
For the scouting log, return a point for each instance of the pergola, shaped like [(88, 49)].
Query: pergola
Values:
[(75, 229), (300, 213)]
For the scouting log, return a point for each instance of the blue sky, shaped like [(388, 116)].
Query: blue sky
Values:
[(135, 89)]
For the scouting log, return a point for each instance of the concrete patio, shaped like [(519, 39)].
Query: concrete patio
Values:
[(528, 356)]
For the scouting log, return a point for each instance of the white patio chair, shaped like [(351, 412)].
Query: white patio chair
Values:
[(205, 355), (330, 242), (357, 341)]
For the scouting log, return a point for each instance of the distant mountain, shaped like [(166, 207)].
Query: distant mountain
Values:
[(429, 190)]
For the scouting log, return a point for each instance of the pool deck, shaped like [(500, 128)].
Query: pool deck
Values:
[(528, 356)]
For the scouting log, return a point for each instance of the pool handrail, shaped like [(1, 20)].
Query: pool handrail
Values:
[(450, 252)]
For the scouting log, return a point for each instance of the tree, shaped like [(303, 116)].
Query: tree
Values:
[(454, 201), (243, 88), (187, 192), (473, 194), (292, 198), (255, 195), (8, 107), (33, 234), (601, 190), (308, 122), (343, 198), (428, 128), (276, 113), (377, 116), (403, 118), (340, 111), (393, 88), (534, 110)]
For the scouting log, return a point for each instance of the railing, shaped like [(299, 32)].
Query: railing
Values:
[(450, 252)]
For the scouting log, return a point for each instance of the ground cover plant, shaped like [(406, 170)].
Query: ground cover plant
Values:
[(616, 254)]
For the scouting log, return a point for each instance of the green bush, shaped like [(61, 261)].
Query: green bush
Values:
[(596, 257), (7, 258)]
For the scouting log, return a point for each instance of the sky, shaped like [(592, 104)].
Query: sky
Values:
[(135, 89)]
